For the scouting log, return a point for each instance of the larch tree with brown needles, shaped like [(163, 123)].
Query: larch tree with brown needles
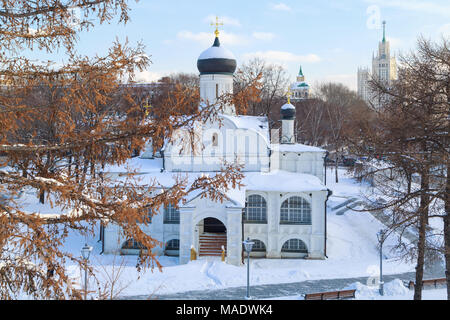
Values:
[(410, 131), (61, 124)]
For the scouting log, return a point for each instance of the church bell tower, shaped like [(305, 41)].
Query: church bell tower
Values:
[(216, 66), (288, 121)]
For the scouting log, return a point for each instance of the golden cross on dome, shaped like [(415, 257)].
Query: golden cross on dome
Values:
[(217, 24), (289, 95), (146, 107)]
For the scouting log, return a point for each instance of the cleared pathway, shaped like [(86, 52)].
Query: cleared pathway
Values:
[(274, 290)]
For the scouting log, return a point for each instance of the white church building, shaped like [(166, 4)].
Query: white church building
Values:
[(281, 206)]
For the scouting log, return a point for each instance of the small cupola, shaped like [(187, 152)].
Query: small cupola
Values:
[(288, 110), (287, 121), (217, 59)]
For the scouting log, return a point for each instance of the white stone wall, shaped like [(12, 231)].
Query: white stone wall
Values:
[(213, 86), (300, 162), (274, 235), (157, 229), (247, 146), (198, 210), (287, 131)]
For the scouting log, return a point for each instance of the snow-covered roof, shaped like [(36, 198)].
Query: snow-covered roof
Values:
[(279, 180), (235, 195), (139, 165), (258, 124), (216, 53), (282, 181), (287, 106), (296, 147)]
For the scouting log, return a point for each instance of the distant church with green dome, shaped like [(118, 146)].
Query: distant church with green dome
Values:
[(300, 89)]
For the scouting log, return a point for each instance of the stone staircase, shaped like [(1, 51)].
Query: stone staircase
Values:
[(211, 244), (347, 205), (352, 203)]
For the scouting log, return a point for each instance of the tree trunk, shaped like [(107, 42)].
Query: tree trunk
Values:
[(447, 232), (77, 168), (447, 209), (70, 165), (409, 179), (420, 260), (42, 196), (336, 171), (423, 216), (93, 169)]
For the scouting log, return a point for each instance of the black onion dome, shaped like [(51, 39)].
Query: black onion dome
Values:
[(216, 60), (287, 112)]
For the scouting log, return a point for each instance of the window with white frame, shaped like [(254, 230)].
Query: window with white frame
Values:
[(171, 214), (295, 210), (255, 209), (132, 244), (294, 245), (258, 246), (173, 244)]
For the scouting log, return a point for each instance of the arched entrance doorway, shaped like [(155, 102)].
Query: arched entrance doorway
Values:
[(212, 236), (213, 225)]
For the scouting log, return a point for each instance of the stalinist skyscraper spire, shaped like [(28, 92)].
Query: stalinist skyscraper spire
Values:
[(384, 68)]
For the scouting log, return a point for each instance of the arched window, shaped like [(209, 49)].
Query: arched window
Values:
[(258, 246), (215, 140), (255, 209), (173, 244), (172, 248), (295, 210), (171, 215), (132, 244), (294, 245)]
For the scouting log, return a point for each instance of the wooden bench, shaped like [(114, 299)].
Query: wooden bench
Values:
[(429, 282), (332, 295)]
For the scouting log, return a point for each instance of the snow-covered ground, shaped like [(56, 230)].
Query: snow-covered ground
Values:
[(394, 290), (351, 250)]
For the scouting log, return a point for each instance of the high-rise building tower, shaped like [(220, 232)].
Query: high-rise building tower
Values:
[(363, 85), (384, 69)]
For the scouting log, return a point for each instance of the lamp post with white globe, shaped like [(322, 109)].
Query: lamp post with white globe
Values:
[(248, 245), (381, 235), (85, 253)]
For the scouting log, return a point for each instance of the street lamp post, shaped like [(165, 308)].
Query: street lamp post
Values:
[(85, 253), (248, 245), (381, 235)]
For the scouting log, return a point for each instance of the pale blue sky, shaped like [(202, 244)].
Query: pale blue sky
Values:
[(329, 38)]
